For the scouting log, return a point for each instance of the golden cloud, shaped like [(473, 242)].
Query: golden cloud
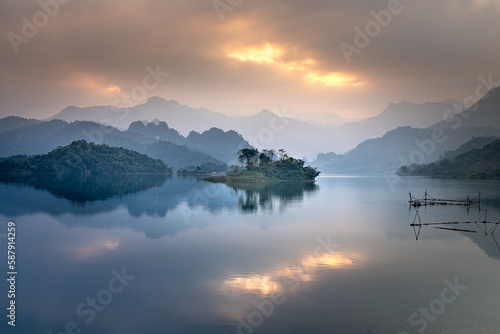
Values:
[(274, 56)]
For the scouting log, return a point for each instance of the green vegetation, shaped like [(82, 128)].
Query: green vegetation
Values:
[(81, 157), (178, 156), (267, 166), (478, 163), (203, 169)]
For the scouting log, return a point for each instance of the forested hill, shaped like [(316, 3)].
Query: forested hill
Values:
[(81, 157), (478, 163)]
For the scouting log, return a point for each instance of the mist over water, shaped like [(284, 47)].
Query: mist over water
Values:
[(335, 257)]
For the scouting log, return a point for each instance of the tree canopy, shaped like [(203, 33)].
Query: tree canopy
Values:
[(267, 165), (81, 157)]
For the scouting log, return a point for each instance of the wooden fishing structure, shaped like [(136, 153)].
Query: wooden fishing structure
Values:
[(487, 227), (428, 200)]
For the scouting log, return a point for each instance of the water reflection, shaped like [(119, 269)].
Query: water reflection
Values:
[(203, 265), (480, 229), (251, 197), (266, 283), (83, 189), (180, 201)]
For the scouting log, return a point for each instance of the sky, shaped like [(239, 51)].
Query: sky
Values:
[(239, 57)]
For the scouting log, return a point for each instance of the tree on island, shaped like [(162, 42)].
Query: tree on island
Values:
[(248, 157), (268, 166)]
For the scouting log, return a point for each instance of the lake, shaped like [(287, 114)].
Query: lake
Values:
[(156, 254)]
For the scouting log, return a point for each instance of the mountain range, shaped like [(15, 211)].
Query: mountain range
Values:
[(404, 133), (155, 140), (267, 129), (408, 145), (481, 163)]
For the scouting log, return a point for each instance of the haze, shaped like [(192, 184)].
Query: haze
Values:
[(240, 57)]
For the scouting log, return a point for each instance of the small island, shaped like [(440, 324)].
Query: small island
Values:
[(267, 166)]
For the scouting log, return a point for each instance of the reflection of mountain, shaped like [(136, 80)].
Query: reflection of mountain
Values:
[(83, 189), (183, 202), (253, 196)]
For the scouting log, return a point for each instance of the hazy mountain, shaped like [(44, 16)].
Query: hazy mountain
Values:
[(45, 136), (180, 117), (158, 131), (14, 122), (263, 130), (407, 145), (395, 115), (220, 144), (485, 112), (404, 145), (301, 138), (322, 119), (478, 163), (474, 143), (178, 156)]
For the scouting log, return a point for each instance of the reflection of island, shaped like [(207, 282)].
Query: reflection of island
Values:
[(165, 204), (88, 188), (251, 197)]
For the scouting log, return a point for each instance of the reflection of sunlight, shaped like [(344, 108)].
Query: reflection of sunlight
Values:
[(93, 249), (255, 283), (332, 261), (273, 55), (270, 282)]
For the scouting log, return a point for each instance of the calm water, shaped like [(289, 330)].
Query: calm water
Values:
[(178, 255)]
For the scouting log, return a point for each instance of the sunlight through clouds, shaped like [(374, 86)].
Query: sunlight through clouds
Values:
[(267, 54), (95, 84), (333, 79), (273, 55)]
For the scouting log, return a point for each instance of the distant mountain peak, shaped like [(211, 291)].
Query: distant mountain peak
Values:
[(265, 114), (156, 99)]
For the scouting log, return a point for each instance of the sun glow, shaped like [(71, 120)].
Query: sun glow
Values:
[(333, 79), (268, 54), (95, 84), (306, 68)]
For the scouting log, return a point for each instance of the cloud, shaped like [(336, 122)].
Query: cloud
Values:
[(264, 54)]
